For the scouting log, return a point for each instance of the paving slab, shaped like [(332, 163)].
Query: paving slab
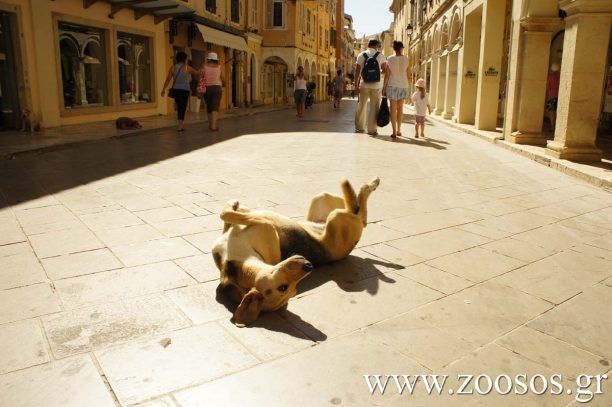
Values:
[(340, 382), (65, 383), (22, 345), (582, 321), (146, 369), (21, 269), (27, 302), (76, 264), (97, 327), (482, 313), (120, 284)]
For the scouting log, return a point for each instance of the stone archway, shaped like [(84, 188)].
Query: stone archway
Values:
[(452, 66), (275, 79)]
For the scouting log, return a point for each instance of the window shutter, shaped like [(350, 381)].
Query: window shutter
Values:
[(269, 13), (284, 12)]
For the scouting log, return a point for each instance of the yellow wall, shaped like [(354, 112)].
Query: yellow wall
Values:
[(40, 48)]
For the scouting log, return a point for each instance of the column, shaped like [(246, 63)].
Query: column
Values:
[(45, 61), (441, 81), (526, 99), (491, 48), (583, 69), (469, 53), (451, 85), (434, 79)]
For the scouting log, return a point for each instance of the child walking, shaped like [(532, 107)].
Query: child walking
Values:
[(420, 101)]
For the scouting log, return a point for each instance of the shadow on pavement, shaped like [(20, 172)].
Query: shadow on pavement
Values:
[(427, 142)]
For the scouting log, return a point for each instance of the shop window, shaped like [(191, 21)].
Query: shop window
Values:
[(134, 60), (211, 5), (83, 65), (235, 11)]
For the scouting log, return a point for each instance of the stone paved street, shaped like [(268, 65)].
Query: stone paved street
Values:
[(476, 260)]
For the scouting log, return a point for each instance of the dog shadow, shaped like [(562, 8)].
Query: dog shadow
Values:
[(353, 274), (282, 321)]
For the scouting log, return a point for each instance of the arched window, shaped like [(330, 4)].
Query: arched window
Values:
[(133, 54), (83, 65)]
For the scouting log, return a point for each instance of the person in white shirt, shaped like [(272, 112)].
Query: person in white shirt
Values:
[(300, 91), (370, 65), (396, 86), (420, 101)]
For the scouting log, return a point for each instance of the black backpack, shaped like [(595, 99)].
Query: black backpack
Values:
[(371, 69)]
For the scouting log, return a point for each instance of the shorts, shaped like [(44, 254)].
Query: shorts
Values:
[(395, 93), (338, 93), (212, 97), (300, 96), (551, 104), (419, 119)]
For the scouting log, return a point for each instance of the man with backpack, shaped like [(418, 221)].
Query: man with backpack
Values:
[(371, 64)]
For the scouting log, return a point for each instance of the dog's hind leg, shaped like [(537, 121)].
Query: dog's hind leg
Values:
[(350, 199), (322, 205), (233, 205), (362, 198)]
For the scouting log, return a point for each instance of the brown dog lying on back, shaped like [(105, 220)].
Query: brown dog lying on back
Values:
[(263, 255)]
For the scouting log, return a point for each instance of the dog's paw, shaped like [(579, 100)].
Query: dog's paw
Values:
[(374, 184), (233, 203)]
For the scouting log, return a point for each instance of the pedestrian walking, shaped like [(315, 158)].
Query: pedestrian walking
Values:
[(369, 85), (552, 94), (338, 88), (300, 91), (214, 81), (351, 89), (180, 90), (396, 86), (420, 101)]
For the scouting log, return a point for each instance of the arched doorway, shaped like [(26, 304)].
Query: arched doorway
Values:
[(10, 106), (275, 78), (553, 81)]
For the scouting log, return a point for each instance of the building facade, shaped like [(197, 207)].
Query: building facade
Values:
[(110, 58), (493, 64)]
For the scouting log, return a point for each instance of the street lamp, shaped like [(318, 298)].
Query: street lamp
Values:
[(409, 30)]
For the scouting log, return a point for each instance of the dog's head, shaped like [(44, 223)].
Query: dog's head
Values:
[(258, 286)]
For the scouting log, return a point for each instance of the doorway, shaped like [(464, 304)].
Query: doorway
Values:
[(10, 111)]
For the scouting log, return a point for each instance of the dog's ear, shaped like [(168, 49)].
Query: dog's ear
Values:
[(249, 308)]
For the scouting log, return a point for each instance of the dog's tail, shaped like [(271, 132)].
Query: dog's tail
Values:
[(350, 199)]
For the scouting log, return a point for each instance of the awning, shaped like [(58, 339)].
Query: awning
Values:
[(214, 36)]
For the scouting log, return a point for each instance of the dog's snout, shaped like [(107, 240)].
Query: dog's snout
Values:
[(307, 266)]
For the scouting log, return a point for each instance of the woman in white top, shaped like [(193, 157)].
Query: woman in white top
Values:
[(396, 87), (300, 91)]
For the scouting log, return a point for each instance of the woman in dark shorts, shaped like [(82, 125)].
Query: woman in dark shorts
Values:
[(214, 80)]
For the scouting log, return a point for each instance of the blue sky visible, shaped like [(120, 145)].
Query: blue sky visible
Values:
[(369, 16)]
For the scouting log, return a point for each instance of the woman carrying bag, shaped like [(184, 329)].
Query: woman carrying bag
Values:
[(180, 90)]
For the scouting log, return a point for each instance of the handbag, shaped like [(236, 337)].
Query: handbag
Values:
[(201, 89), (383, 117), (171, 92)]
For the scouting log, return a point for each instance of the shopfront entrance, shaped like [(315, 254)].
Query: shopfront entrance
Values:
[(10, 112)]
